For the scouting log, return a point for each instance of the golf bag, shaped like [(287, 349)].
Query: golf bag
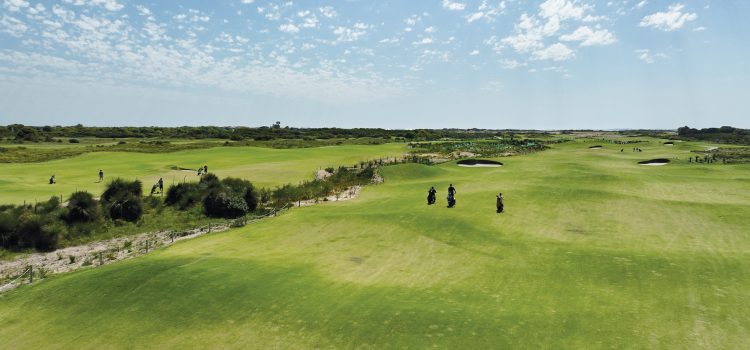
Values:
[(430, 199), (451, 201)]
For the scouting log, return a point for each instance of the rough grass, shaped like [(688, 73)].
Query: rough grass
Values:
[(594, 251)]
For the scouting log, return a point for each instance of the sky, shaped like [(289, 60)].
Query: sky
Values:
[(554, 64)]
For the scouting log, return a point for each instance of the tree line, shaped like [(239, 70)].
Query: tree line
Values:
[(724, 134), (24, 133)]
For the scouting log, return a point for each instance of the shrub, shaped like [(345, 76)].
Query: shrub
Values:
[(224, 205), (265, 195), (236, 185), (209, 182), (49, 206), (119, 187), (82, 207), (251, 198), (38, 232), (74, 141), (183, 195), (127, 207), (8, 224), (122, 200), (244, 189)]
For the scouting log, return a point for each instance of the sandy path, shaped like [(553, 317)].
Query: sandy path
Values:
[(94, 254)]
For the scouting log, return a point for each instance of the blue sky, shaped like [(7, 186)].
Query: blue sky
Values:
[(393, 64)]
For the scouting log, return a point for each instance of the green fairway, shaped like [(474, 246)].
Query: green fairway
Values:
[(594, 251), (263, 166)]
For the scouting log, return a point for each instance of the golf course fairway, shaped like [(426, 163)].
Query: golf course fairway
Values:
[(593, 251), (265, 167)]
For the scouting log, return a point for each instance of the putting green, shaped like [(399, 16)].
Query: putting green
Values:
[(594, 251), (263, 166)]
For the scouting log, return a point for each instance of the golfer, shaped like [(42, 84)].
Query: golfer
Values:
[(500, 205)]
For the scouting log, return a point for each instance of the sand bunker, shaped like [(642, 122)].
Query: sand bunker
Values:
[(596, 147), (479, 163), (669, 143), (658, 161)]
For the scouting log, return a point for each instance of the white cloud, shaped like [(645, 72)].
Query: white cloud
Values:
[(525, 42), (430, 29), (248, 1), (143, 10), (289, 28), (453, 6), (554, 52), (474, 53), (356, 32), (645, 55), (641, 4), (699, 29), (669, 21), (589, 37), (390, 40), (12, 26), (15, 5), (111, 5), (511, 64), (39, 8), (486, 12), (328, 12), (474, 16), (309, 20), (425, 41), (562, 9), (412, 20)]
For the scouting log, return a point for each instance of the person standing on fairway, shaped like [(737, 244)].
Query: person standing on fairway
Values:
[(431, 195), (205, 169), (101, 175), (500, 205), (451, 196), (52, 180), (161, 185)]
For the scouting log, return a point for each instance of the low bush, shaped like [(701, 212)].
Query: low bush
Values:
[(127, 207), (184, 195), (38, 232), (224, 205), (82, 207), (122, 200)]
